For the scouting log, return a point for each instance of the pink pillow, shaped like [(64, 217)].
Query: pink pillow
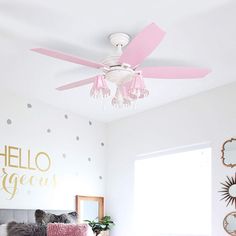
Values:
[(60, 229)]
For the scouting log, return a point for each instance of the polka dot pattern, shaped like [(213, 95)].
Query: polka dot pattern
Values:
[(70, 156)]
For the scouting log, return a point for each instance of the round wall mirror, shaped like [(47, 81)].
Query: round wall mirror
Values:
[(229, 153), (229, 223)]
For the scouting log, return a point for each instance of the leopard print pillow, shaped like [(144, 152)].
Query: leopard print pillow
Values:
[(43, 218)]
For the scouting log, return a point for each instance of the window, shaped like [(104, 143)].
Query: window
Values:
[(173, 194)]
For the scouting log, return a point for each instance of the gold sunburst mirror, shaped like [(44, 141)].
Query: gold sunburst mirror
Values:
[(228, 190), (229, 223)]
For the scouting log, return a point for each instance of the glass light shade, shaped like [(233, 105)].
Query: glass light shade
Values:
[(121, 98), (136, 88), (100, 88)]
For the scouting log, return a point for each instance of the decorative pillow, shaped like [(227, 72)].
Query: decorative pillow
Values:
[(59, 229), (43, 218), (22, 229), (72, 217), (39, 216)]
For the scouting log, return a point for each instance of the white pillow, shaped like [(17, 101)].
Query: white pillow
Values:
[(3, 230)]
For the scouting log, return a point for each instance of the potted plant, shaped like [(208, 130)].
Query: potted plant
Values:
[(102, 226)]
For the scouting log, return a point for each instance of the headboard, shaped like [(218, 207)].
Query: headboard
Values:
[(26, 216)]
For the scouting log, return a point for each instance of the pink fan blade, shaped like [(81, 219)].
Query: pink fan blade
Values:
[(174, 72), (142, 45), (66, 57), (77, 84)]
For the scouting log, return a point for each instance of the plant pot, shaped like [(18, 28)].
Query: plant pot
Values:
[(104, 233)]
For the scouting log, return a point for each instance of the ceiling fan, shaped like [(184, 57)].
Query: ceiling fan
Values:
[(123, 68)]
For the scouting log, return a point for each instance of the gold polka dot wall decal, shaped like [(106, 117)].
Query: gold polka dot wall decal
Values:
[(66, 116), (9, 121), (29, 105), (48, 130)]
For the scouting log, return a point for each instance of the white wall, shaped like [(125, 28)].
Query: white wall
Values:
[(208, 118), (27, 128)]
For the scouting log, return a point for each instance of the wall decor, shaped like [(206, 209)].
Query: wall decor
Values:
[(9, 121), (35, 167), (29, 105), (44, 155), (229, 190), (229, 223), (229, 153)]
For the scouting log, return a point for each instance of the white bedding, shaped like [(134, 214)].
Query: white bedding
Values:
[(3, 230)]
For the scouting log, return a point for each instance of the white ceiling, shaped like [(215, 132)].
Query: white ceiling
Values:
[(198, 33)]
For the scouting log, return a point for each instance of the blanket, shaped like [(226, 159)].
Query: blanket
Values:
[(22, 229), (52, 229)]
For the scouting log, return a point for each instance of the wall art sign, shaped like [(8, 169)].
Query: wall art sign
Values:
[(20, 167)]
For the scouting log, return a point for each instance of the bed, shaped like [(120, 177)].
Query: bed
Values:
[(28, 218)]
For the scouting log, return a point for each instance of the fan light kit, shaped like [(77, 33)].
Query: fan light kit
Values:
[(123, 67)]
